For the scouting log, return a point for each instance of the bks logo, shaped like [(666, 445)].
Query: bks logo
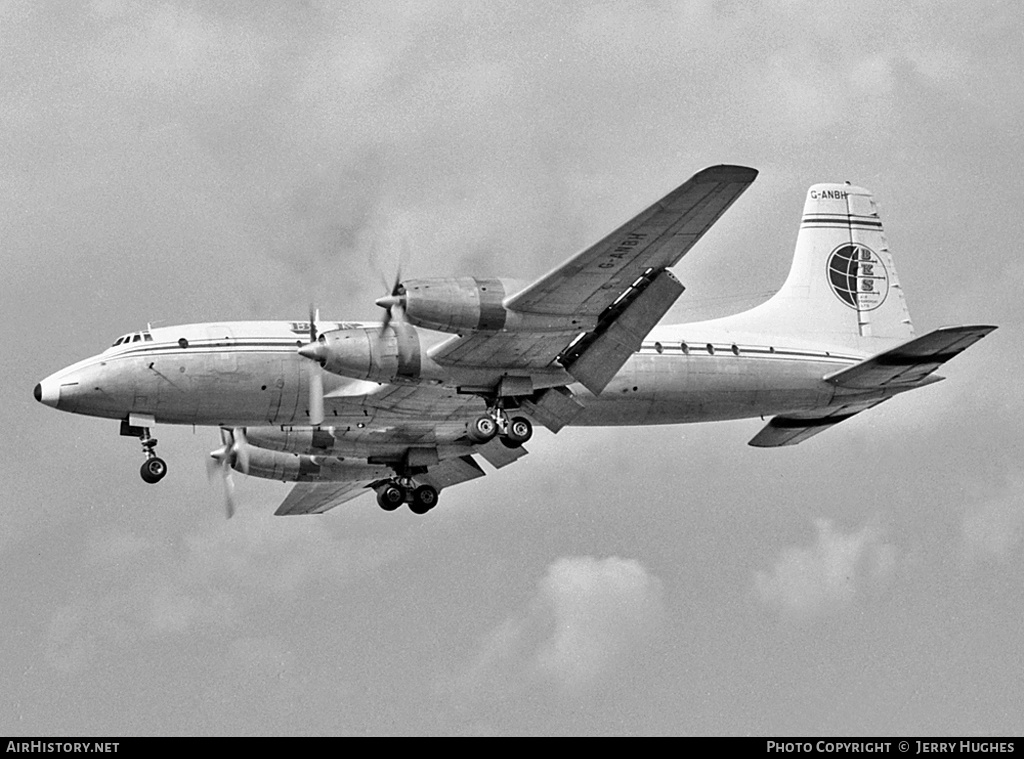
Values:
[(858, 276)]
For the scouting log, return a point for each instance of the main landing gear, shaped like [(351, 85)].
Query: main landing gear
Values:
[(512, 432), (394, 492)]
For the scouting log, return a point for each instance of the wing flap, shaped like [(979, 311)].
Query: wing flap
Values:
[(791, 429), (528, 350), (909, 364), (498, 455), (619, 334), (451, 472), (318, 497)]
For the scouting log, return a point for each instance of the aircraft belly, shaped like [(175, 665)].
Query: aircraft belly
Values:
[(680, 389)]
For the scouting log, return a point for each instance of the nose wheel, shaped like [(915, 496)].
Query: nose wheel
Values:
[(153, 468)]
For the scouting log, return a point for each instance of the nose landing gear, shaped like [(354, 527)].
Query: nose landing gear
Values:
[(153, 468)]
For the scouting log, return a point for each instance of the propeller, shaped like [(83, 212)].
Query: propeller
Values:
[(233, 451), (316, 376), (390, 302), (396, 292)]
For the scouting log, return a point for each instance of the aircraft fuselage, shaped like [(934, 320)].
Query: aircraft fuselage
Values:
[(250, 374)]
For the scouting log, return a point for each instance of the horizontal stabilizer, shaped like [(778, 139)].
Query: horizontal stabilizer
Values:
[(909, 364), (796, 428)]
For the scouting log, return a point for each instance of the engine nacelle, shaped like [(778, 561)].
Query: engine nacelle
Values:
[(467, 304), (288, 467), (394, 354)]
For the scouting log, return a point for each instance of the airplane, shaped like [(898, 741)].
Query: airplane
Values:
[(462, 368)]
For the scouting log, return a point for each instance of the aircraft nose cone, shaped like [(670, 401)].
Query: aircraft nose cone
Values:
[(47, 392)]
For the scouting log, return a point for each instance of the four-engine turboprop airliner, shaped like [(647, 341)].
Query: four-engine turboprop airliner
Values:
[(465, 367)]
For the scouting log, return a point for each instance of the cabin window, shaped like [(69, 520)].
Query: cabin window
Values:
[(136, 337), (711, 349), (685, 348), (658, 347), (147, 337), (735, 349), (183, 343)]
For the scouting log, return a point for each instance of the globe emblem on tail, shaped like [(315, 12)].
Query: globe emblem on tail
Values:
[(858, 277)]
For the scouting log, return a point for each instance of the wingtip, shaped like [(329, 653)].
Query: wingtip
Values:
[(728, 173)]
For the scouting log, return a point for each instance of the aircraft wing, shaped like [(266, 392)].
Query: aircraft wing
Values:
[(318, 497), (621, 279), (656, 238), (791, 429)]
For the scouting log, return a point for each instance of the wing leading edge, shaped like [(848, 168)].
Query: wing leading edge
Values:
[(656, 238)]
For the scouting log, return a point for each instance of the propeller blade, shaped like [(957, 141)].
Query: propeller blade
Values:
[(396, 299), (235, 450), (316, 395), (241, 449), (314, 320), (229, 494)]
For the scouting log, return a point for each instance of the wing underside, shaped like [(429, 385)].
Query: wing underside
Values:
[(402, 405), (318, 497)]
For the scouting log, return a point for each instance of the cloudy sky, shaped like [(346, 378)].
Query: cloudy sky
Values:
[(175, 162)]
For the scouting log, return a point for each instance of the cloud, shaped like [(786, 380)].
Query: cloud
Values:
[(828, 575), (588, 617), (994, 528), (213, 581)]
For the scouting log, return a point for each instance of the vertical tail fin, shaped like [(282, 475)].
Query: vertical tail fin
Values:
[(842, 288)]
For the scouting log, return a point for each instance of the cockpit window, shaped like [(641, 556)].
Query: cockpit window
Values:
[(133, 337)]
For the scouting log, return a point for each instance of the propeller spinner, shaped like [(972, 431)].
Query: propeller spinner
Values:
[(395, 300)]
